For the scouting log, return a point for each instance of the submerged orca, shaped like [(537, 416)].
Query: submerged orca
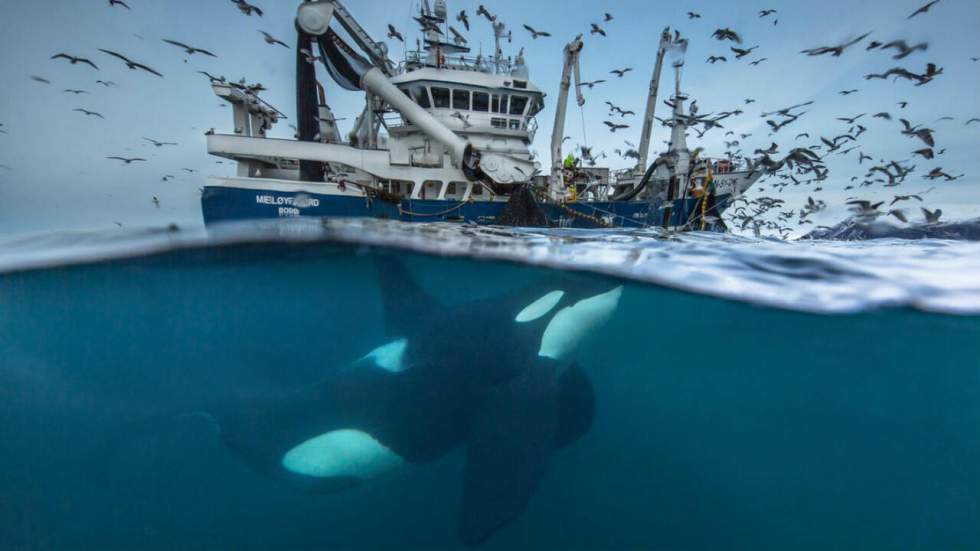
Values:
[(496, 376)]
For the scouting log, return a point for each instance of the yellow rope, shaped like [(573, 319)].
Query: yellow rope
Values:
[(597, 221)]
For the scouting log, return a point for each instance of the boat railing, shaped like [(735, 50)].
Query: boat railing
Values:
[(724, 165), (531, 126), (480, 64)]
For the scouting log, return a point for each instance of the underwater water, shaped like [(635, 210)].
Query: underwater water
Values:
[(749, 394)]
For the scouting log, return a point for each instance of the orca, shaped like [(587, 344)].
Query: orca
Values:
[(496, 376)]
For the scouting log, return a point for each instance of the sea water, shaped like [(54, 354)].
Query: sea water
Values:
[(750, 394)]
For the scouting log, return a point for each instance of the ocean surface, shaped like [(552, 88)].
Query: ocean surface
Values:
[(749, 394)]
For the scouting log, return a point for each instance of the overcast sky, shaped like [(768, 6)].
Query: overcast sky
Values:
[(59, 177)]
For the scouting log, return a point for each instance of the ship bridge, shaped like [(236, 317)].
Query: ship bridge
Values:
[(472, 102)]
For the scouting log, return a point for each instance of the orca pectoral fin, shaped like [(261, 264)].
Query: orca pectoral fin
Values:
[(576, 406), (512, 436)]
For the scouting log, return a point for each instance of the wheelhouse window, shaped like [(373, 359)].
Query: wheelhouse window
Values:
[(498, 123), (440, 98), (481, 102), (515, 124), (502, 106), (421, 97), (536, 106), (517, 105), (461, 99)]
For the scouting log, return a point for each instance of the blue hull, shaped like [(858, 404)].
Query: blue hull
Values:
[(225, 204)]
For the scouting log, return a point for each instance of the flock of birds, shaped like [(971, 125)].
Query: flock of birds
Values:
[(799, 166), (243, 6)]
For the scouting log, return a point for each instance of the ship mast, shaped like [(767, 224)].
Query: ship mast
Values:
[(498, 35), (678, 152)]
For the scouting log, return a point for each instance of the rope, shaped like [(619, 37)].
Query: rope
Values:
[(704, 206), (595, 220), (576, 214), (431, 214), (704, 214), (585, 135)]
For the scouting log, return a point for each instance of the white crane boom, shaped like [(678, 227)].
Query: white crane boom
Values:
[(648, 116), (498, 170), (572, 51)]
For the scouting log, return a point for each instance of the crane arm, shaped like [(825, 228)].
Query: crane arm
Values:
[(571, 68), (315, 16), (648, 117)]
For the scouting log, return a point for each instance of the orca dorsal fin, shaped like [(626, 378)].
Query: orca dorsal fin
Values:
[(403, 301)]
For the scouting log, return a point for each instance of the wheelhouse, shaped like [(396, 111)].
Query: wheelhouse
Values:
[(473, 108)]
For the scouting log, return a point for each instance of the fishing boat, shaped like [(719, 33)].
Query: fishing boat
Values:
[(445, 135)]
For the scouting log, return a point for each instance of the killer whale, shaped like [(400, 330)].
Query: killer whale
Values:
[(497, 377)]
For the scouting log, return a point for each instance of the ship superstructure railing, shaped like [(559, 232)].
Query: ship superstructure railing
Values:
[(723, 165), (416, 60)]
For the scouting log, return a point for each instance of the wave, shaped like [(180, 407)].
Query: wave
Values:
[(827, 277)]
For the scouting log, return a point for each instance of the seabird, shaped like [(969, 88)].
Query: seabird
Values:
[(482, 10), (727, 34), (904, 49), (127, 160), (75, 60), (269, 39), (88, 113), (535, 34), (130, 63), (933, 216), (247, 8), (740, 53), (924, 134), (837, 51), (158, 144), (189, 50), (614, 127), (393, 33), (923, 9)]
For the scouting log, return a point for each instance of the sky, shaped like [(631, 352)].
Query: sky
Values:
[(59, 178)]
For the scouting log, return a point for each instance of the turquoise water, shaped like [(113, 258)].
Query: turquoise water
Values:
[(821, 396)]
